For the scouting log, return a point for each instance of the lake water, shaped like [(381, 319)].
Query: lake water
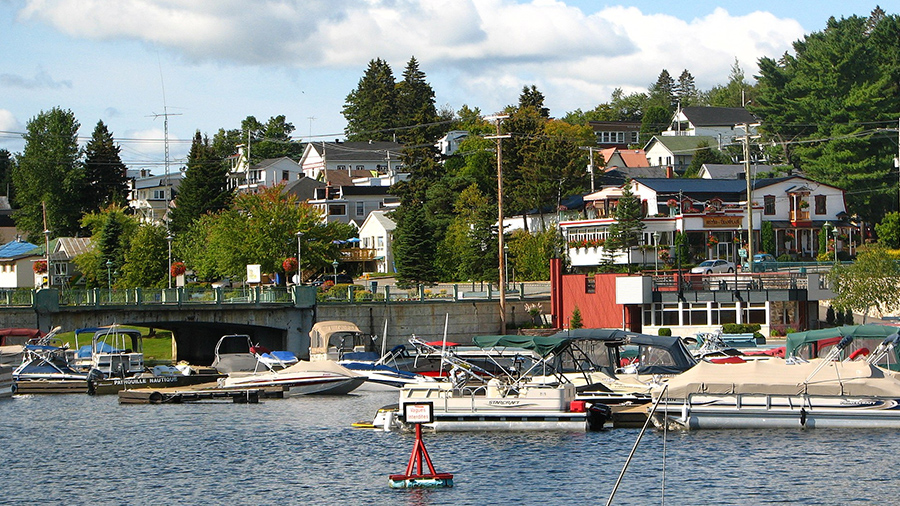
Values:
[(76, 449)]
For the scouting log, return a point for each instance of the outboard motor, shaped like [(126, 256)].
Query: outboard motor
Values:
[(597, 416)]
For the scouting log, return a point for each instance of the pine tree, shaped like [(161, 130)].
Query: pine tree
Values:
[(49, 174), (626, 231), (686, 91), (203, 188), (662, 92), (575, 321), (105, 177), (371, 109), (414, 247), (531, 97), (6, 169)]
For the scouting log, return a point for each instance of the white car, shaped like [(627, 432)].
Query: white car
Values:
[(711, 266)]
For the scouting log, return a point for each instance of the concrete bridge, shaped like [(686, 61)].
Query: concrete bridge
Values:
[(277, 318)]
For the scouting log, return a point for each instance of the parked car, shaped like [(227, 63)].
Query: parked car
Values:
[(711, 266), (763, 262), (342, 279)]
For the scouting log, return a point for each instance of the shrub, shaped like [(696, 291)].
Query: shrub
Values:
[(784, 257), (829, 315), (740, 328), (664, 331), (575, 322)]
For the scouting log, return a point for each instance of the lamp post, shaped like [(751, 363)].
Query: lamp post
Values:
[(299, 269), (335, 264), (109, 278), (47, 251), (506, 266), (835, 233), (169, 239), (656, 254)]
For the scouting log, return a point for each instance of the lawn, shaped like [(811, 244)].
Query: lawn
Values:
[(157, 350)]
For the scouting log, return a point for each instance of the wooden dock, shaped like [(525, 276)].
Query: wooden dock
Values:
[(51, 387), (198, 393), (629, 416)]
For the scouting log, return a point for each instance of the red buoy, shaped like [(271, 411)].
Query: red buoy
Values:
[(415, 476)]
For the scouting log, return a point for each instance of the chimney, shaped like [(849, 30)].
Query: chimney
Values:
[(670, 174)]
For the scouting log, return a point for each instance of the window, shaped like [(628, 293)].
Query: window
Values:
[(337, 210), (360, 209), (285, 175), (341, 167), (769, 201), (159, 194), (60, 268), (820, 204), (590, 285), (360, 167), (379, 242)]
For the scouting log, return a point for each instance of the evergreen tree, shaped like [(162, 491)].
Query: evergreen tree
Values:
[(371, 109), (203, 188), (111, 233), (662, 92), (531, 97), (105, 177), (626, 231), (767, 237), (575, 321), (686, 91), (414, 247), (703, 154), (48, 174), (734, 94), (6, 170), (415, 105), (655, 120)]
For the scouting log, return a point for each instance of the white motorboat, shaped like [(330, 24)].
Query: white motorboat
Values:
[(302, 378), (775, 393), (237, 353)]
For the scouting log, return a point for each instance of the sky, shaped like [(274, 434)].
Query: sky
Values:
[(208, 64)]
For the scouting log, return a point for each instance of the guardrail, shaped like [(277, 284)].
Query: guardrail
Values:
[(706, 282)]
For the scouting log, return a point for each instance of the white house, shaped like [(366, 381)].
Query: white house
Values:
[(63, 251), (267, 173), (148, 195), (677, 151), (352, 204), (712, 214), (717, 122), (449, 144), (377, 233), (355, 159), (17, 260)]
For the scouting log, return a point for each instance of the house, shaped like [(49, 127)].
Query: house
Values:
[(8, 230), (17, 264), (734, 171), (616, 157), (63, 251), (712, 215), (677, 151), (449, 144), (377, 233), (150, 195), (321, 160), (351, 204), (616, 134), (719, 123), (266, 173)]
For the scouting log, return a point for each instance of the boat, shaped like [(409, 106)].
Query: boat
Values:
[(46, 368), (343, 343), (12, 344), (302, 378), (778, 393), (7, 383), (249, 365), (866, 338)]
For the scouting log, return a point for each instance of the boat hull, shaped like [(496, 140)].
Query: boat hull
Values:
[(780, 412), (323, 384), (7, 383)]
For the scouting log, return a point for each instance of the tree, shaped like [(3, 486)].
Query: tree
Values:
[(736, 93), (203, 188), (655, 120), (529, 253), (575, 321), (371, 109), (49, 176), (889, 230), (823, 102), (146, 259), (767, 237), (414, 247), (662, 92), (686, 91), (415, 105), (111, 234), (869, 282), (704, 154), (626, 231), (105, 176), (6, 170), (531, 97)]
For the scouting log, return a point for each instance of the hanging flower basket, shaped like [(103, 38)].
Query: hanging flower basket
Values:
[(39, 267), (177, 269), (711, 241), (672, 203), (289, 264)]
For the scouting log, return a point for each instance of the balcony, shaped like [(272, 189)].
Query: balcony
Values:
[(800, 215), (358, 254)]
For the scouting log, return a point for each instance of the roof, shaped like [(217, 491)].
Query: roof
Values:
[(718, 116), (683, 144), (631, 157), (70, 247), (14, 250), (380, 217), (372, 151), (268, 162), (730, 171), (712, 187), (342, 178)]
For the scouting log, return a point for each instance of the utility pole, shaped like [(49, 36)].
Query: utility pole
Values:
[(591, 166), (749, 179), (497, 119)]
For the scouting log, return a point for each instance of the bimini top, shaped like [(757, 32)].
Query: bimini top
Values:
[(321, 332), (796, 340)]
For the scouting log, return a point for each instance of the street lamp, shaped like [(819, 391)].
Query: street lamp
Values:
[(656, 255), (506, 266), (299, 269), (335, 264), (835, 233), (47, 251), (169, 239), (109, 278)]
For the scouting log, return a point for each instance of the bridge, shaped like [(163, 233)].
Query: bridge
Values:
[(276, 317)]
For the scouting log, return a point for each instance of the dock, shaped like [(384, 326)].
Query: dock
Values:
[(52, 387), (629, 416), (198, 393)]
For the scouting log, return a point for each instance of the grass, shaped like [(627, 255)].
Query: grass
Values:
[(157, 349)]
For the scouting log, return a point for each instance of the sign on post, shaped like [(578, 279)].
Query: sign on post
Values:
[(418, 413), (254, 274)]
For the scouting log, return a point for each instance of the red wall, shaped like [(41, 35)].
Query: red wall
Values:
[(598, 309)]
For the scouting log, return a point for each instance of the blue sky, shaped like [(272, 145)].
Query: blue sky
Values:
[(219, 61)]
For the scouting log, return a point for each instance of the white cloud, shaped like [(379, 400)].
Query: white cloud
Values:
[(10, 131), (490, 47)]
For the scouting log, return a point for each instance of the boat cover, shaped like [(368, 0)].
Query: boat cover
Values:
[(774, 376), (797, 339), (320, 366)]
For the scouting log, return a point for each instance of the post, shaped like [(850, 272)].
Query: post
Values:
[(47, 252), (109, 279), (299, 268), (335, 265), (169, 239), (835, 233), (656, 254), (500, 226), (749, 179)]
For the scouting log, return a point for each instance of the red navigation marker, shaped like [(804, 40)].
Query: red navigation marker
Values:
[(419, 414)]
